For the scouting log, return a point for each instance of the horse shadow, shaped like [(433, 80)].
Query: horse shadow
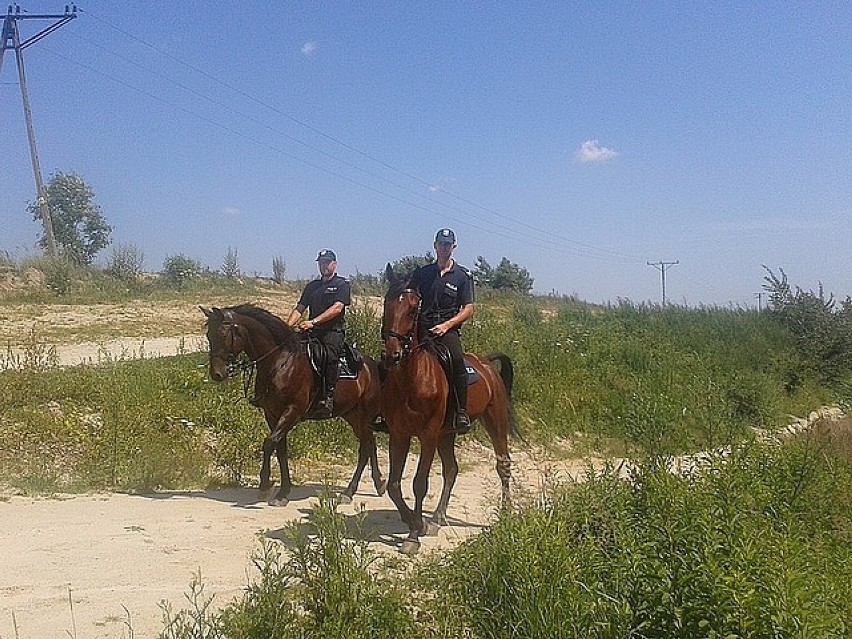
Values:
[(240, 496), (381, 526)]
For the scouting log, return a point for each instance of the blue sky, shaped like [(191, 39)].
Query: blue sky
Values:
[(580, 140)]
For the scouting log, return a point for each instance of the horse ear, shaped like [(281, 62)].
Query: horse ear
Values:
[(207, 313), (390, 276)]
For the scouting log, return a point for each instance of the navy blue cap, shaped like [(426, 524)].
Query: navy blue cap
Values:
[(326, 254), (445, 236)]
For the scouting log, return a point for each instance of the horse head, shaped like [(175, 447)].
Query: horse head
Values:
[(226, 338), (399, 318)]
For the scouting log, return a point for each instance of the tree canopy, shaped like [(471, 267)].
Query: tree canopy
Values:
[(506, 276), (79, 226)]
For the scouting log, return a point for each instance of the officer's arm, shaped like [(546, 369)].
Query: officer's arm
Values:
[(329, 314), (295, 315), (464, 314)]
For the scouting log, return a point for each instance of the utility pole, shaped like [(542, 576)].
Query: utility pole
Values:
[(11, 39), (663, 267), (759, 297)]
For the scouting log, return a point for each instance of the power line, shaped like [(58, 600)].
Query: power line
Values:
[(551, 238)]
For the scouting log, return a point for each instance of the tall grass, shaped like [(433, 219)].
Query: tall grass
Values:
[(752, 545)]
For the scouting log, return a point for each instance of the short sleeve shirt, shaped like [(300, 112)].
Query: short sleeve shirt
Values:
[(442, 295), (320, 295)]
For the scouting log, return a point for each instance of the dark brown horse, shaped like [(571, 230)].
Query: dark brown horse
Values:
[(285, 388), (414, 404)]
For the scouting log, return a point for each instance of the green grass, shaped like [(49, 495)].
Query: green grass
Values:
[(634, 379)]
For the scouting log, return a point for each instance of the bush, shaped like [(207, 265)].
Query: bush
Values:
[(179, 269), (125, 263), (822, 328)]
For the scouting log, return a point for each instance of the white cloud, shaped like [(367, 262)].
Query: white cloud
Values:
[(230, 210), (591, 151), (309, 48)]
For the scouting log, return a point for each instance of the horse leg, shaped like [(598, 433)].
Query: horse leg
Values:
[(449, 471), (399, 447), (282, 497), (375, 470), (418, 526), (266, 467), (497, 426), (364, 445)]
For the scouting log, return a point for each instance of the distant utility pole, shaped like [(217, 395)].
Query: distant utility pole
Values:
[(663, 267), (11, 39), (759, 297)]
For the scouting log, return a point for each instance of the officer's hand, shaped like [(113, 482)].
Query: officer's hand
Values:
[(439, 330), (306, 325)]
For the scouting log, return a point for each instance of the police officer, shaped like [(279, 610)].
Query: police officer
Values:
[(447, 297), (326, 299)]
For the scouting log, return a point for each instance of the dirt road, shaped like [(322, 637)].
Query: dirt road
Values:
[(95, 566)]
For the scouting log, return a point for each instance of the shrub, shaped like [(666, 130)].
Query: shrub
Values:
[(125, 263), (180, 269)]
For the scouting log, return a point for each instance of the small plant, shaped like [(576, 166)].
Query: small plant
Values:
[(279, 270), (231, 265)]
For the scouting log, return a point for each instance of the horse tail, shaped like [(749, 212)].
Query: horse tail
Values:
[(507, 374), (507, 370)]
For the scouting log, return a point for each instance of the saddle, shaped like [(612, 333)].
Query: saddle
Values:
[(351, 362), (443, 354)]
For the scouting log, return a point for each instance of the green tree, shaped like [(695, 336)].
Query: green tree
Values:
[(410, 263), (79, 225), (506, 276)]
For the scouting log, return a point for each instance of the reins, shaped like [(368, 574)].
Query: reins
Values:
[(248, 368)]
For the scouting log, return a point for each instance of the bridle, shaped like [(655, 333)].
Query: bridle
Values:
[(407, 338), (246, 366)]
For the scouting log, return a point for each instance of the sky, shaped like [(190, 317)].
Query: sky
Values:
[(580, 140)]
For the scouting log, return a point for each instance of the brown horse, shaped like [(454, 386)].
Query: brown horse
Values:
[(415, 404), (285, 388)]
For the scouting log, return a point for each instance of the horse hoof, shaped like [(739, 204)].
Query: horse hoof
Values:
[(410, 547), (279, 501), (381, 487), (344, 499), (431, 529)]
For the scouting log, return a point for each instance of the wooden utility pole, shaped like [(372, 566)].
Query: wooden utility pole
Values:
[(11, 39), (663, 267)]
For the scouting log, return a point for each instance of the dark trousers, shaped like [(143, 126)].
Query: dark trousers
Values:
[(452, 340), (333, 343)]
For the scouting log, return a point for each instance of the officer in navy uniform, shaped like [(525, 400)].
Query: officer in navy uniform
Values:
[(447, 302), (326, 299)]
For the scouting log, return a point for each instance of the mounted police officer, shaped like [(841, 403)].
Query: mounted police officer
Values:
[(326, 299), (447, 302)]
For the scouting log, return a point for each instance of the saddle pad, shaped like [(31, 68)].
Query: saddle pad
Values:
[(472, 375)]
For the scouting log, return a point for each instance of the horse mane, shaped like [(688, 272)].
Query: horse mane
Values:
[(283, 335)]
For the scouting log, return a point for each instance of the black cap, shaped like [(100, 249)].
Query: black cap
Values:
[(445, 236), (326, 254)]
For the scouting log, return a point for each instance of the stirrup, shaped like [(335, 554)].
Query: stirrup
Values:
[(461, 423), (379, 425)]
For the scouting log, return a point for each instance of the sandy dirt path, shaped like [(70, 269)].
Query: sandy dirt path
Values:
[(93, 566)]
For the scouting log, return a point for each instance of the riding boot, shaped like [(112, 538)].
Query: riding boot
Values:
[(462, 421), (326, 404)]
